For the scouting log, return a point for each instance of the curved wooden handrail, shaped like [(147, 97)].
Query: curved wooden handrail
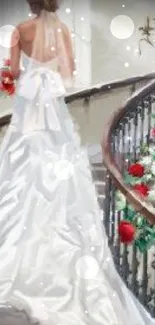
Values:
[(4, 120), (132, 197), (111, 85)]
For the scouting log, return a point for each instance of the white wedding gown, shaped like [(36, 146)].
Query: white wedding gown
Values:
[(55, 264)]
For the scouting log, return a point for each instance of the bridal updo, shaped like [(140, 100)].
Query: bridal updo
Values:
[(38, 5)]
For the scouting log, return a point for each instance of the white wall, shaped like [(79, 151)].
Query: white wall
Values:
[(93, 119), (79, 21), (109, 53)]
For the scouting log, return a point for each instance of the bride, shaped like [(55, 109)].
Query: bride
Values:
[(56, 266)]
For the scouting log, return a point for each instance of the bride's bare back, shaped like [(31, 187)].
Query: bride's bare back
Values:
[(24, 37), (27, 32)]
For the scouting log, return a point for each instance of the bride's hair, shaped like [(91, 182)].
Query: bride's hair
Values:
[(38, 5)]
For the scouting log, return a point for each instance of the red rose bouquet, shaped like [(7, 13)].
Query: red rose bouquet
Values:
[(7, 82)]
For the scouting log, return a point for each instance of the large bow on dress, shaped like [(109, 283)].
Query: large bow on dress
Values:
[(41, 87)]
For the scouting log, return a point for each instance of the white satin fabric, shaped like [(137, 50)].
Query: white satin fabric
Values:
[(55, 264)]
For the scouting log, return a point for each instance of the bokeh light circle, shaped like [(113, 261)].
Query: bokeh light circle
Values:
[(122, 27), (63, 169), (6, 32), (87, 267)]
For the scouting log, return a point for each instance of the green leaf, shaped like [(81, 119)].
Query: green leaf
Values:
[(152, 152), (139, 221), (144, 149), (132, 213), (130, 207), (120, 201), (130, 180), (149, 230), (120, 196), (141, 244), (129, 215), (120, 205), (146, 178), (153, 116), (129, 218), (146, 238)]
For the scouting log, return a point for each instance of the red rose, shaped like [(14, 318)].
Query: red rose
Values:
[(7, 83), (136, 170), (7, 62), (6, 74), (126, 232), (153, 132), (9, 88), (141, 189), (2, 87)]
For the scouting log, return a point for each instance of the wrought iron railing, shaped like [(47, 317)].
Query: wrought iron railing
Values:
[(128, 130)]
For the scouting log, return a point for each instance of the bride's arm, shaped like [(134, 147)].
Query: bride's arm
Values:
[(69, 47), (15, 53)]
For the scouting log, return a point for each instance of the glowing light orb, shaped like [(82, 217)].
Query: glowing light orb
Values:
[(6, 34), (63, 169), (87, 267), (122, 27)]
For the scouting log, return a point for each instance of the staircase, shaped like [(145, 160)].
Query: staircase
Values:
[(128, 130), (99, 177)]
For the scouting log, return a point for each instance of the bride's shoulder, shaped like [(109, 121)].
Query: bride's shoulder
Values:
[(26, 23), (64, 27), (26, 28)]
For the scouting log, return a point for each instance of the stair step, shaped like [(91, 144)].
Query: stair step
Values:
[(100, 188), (98, 175), (100, 183), (98, 167), (100, 163), (101, 198), (98, 172)]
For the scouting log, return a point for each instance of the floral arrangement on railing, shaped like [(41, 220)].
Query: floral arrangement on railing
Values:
[(140, 176), (7, 82)]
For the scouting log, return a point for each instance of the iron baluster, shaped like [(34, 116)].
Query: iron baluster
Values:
[(142, 126), (149, 120)]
